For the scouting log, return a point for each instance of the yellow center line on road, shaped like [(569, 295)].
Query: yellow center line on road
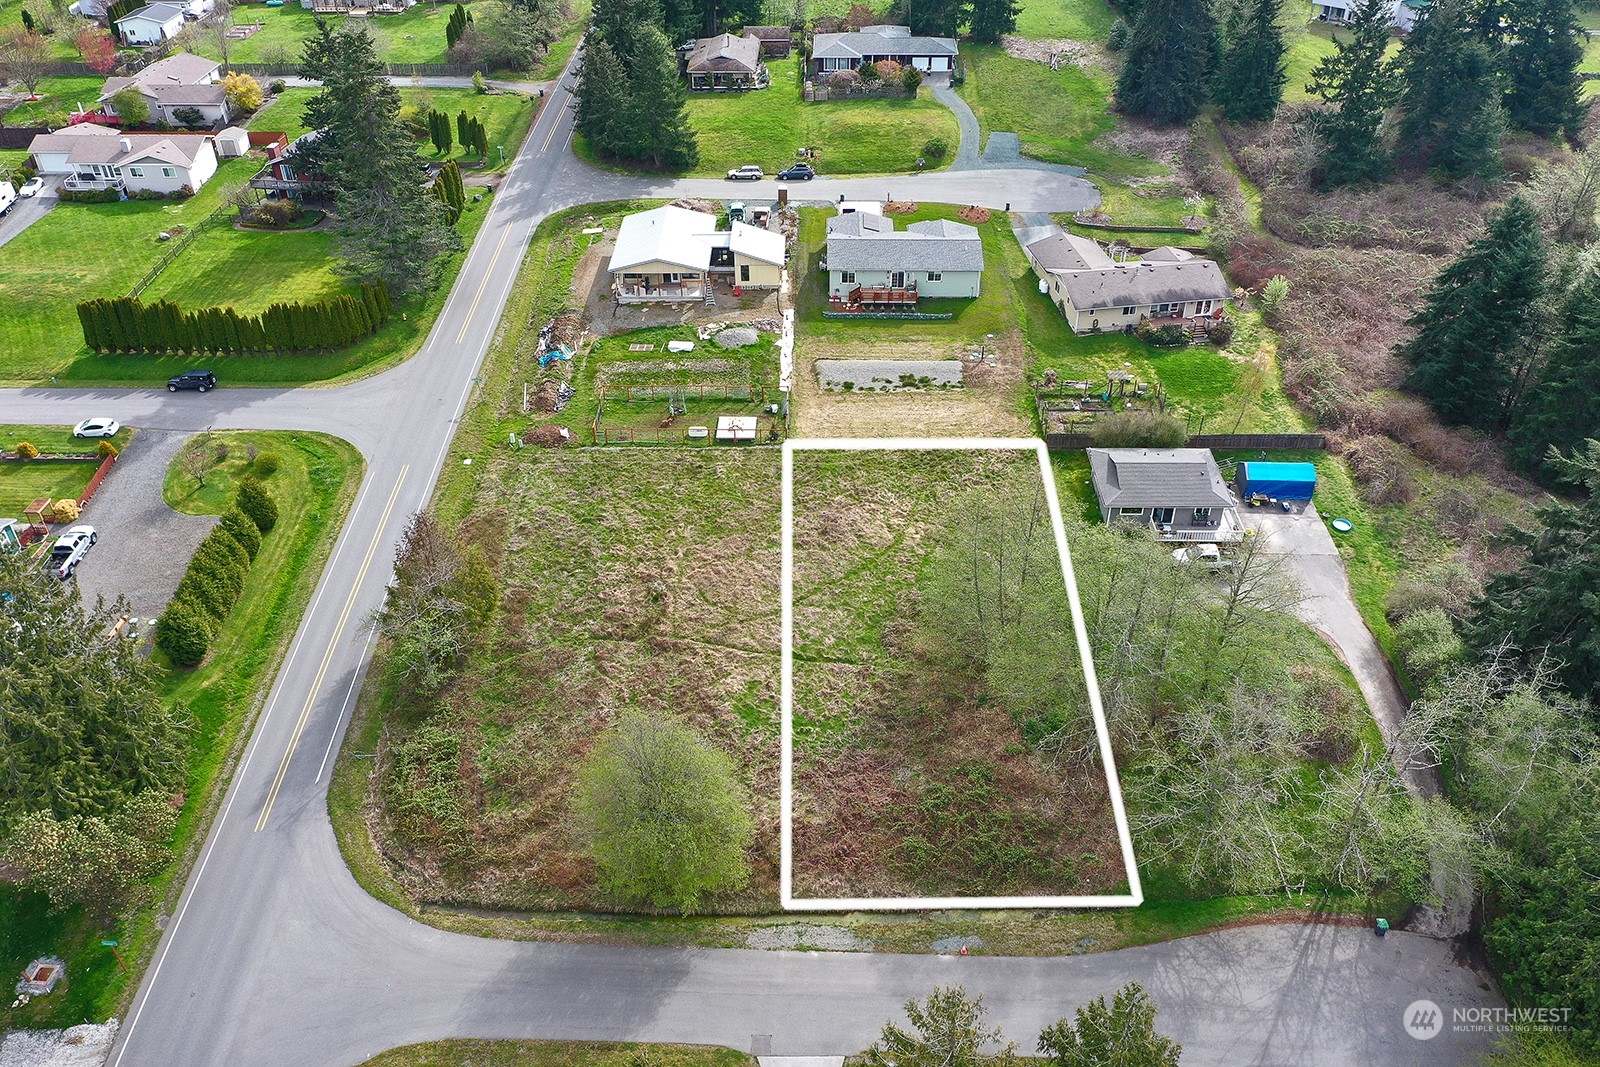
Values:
[(487, 274), (558, 114), (327, 657)]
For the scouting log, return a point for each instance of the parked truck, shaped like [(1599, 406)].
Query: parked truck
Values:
[(8, 196)]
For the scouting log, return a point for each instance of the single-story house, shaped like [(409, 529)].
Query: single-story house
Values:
[(775, 40), (179, 81), (870, 262), (90, 156), (1403, 14), (1177, 493), (1097, 293), (671, 253), (848, 51), (726, 62), (151, 24), (284, 177)]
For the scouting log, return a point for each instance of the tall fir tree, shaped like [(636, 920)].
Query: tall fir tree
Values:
[(1476, 332), (990, 19), (1541, 66), (661, 134), (1168, 62), (938, 18), (1563, 409), (603, 99), (1251, 75), (1356, 81), (389, 229), (1450, 113)]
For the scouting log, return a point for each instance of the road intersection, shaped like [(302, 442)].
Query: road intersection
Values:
[(276, 956)]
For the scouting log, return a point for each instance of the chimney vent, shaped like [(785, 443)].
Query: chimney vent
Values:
[(127, 145)]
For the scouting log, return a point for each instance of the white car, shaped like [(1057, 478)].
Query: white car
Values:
[(97, 428), (750, 173), (69, 550), (31, 187)]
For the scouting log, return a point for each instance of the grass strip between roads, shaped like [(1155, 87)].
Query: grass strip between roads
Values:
[(468, 1052), (314, 487)]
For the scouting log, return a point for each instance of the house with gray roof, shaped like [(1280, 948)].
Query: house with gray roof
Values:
[(871, 262), (726, 62), (90, 157), (181, 80), (151, 24), (775, 40), (870, 44), (1097, 293), (1176, 493)]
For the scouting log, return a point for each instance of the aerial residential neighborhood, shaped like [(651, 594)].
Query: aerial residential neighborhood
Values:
[(550, 531)]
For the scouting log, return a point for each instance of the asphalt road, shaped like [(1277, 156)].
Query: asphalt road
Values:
[(276, 956)]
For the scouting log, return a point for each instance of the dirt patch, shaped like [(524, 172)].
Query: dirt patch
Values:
[(899, 207), (984, 407), (604, 314), (1053, 52), (974, 214), (548, 436), (807, 936), (1158, 143)]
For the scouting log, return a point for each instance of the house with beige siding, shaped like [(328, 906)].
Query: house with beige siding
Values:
[(672, 253), (1097, 293)]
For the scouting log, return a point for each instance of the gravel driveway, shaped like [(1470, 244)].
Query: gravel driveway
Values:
[(144, 545)]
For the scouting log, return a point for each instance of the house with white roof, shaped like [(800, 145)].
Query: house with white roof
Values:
[(672, 253), (870, 262), (1176, 493), (151, 24), (849, 51), (181, 80), (90, 157), (1097, 293)]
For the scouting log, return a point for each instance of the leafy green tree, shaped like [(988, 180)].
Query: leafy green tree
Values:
[(663, 814), (254, 500), (99, 863), (1563, 410), (1549, 606), (990, 19), (1475, 333), (1541, 65), (1356, 81), (93, 705), (1251, 75), (517, 35), (130, 106), (1450, 111), (390, 229), (947, 1030), (1121, 1034), (1168, 61)]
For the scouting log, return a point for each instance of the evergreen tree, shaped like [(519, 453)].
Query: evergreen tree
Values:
[(460, 19), (1564, 408), (1450, 112), (1541, 65), (91, 328), (621, 23), (661, 133), (939, 18), (992, 18), (461, 130), (390, 229), (1474, 340), (1356, 81), (1250, 77), (1168, 63), (603, 100)]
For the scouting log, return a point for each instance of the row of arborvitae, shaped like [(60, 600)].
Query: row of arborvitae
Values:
[(450, 191), (460, 19), (216, 576), (125, 324), (472, 134)]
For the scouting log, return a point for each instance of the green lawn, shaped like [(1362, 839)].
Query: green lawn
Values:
[(57, 98), (22, 482), (468, 1052), (60, 42), (765, 127), (1057, 114), (250, 269), (55, 440), (10, 160), (1078, 20), (1590, 61), (1158, 205)]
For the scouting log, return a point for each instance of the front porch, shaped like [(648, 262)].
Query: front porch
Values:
[(1184, 525), (725, 81), (88, 183), (639, 294)]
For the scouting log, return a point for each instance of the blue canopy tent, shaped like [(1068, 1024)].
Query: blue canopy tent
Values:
[(1280, 481)]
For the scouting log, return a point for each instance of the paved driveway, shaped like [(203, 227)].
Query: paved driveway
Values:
[(25, 213), (144, 545)]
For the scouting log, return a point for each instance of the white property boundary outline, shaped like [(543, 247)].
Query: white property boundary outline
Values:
[(1135, 896)]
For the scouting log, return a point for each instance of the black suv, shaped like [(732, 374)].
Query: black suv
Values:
[(797, 172), (192, 379)]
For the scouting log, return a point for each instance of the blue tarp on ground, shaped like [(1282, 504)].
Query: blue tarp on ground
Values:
[(1282, 481)]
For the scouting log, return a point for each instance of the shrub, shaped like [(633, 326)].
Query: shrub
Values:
[(1273, 294), (254, 500), (189, 116), (937, 148), (869, 74), (910, 79), (1219, 332), (266, 464), (184, 632), (1139, 429), (27, 450), (1117, 38), (275, 213), (242, 91), (105, 449), (478, 82), (277, 86), (842, 81), (65, 510), (242, 530), (1169, 335), (1428, 644), (201, 588)]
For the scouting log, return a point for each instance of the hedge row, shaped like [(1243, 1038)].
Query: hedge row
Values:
[(125, 324), (216, 576)]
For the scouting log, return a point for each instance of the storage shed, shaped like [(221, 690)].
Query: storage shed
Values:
[(1281, 481)]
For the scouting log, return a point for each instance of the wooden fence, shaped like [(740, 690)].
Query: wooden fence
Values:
[(99, 476), (183, 242), (1295, 442)]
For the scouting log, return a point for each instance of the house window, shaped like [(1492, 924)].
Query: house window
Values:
[(169, 172), (848, 277), (1203, 307), (136, 172), (1162, 516), (632, 277), (1202, 514), (936, 276), (744, 272), (1132, 513), (1127, 311)]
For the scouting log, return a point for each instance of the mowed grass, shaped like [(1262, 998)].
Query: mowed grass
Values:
[(414, 36), (466, 1052), (24, 481), (1077, 20), (251, 269), (57, 98), (767, 126)]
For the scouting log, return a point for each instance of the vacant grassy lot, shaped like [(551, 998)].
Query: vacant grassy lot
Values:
[(911, 778), (472, 1053), (314, 486), (765, 127), (1077, 20), (251, 269), (414, 36)]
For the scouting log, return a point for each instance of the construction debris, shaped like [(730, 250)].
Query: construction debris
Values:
[(549, 437)]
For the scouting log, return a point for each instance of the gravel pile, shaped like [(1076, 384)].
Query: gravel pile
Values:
[(737, 337), (888, 375), (805, 936), (79, 1046)]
